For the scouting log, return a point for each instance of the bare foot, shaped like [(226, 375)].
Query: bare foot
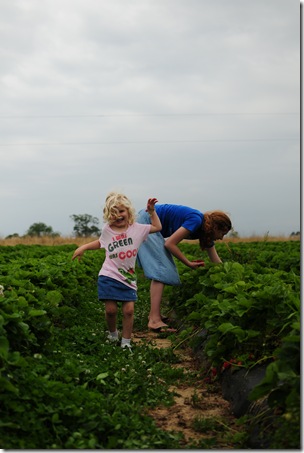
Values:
[(156, 324)]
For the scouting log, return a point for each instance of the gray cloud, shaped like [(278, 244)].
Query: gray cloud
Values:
[(194, 102)]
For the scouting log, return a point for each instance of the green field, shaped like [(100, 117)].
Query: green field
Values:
[(64, 386)]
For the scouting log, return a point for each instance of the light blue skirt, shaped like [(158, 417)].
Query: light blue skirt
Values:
[(155, 260)]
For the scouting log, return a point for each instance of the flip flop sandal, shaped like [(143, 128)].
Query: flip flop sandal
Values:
[(163, 330), (164, 319)]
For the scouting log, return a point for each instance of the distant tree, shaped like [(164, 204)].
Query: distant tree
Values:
[(85, 225), (297, 233), (11, 236), (41, 229), (233, 234)]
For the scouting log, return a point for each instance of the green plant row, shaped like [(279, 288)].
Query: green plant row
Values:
[(62, 385), (246, 312)]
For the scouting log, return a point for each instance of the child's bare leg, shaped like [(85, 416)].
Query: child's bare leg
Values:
[(128, 319), (111, 314), (156, 293)]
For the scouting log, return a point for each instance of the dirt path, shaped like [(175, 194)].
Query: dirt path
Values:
[(199, 412)]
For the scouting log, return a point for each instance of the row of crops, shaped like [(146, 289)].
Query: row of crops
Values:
[(245, 314), (62, 385)]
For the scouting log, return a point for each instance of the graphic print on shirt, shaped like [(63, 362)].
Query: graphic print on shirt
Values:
[(121, 240), (130, 275)]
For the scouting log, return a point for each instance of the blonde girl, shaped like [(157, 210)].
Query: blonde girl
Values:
[(121, 238)]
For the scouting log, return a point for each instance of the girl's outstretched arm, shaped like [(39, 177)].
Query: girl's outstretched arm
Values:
[(213, 256), (155, 222), (172, 242), (172, 245), (94, 245)]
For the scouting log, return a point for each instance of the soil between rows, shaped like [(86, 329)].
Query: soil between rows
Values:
[(192, 402)]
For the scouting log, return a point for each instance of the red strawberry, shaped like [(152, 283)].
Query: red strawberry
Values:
[(200, 262), (213, 371)]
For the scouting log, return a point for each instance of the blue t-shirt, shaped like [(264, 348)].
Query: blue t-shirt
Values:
[(173, 216)]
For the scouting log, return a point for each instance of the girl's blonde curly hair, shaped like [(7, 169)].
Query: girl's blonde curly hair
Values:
[(213, 220), (113, 201)]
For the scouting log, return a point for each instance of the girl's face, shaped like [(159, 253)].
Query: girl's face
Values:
[(219, 234), (121, 220)]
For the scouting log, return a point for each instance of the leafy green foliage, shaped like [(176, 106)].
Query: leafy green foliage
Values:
[(281, 385), (63, 385), (249, 311)]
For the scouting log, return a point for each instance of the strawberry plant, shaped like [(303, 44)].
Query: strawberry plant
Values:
[(63, 385), (248, 309)]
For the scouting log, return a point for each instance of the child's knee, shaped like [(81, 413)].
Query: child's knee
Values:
[(111, 309), (128, 311)]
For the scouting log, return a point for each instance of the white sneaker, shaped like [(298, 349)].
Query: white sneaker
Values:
[(126, 346), (112, 339)]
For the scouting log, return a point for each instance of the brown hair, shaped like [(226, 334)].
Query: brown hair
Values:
[(213, 220)]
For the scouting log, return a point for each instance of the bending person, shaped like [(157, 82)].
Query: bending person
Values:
[(155, 254)]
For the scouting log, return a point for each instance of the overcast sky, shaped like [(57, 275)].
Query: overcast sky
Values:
[(194, 102)]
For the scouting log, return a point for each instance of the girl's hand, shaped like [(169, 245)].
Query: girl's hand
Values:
[(78, 253), (151, 205), (197, 263)]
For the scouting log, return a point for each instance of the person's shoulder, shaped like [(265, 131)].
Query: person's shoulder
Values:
[(137, 225), (192, 212), (105, 227), (171, 207), (178, 209)]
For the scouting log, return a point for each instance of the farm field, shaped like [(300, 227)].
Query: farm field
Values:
[(65, 240), (64, 386)]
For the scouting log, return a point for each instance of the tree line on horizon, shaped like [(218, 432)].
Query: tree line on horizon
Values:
[(85, 225)]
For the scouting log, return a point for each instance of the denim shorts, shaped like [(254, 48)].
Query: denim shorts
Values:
[(111, 289), (155, 260)]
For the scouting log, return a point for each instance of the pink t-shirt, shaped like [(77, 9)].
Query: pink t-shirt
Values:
[(121, 252)]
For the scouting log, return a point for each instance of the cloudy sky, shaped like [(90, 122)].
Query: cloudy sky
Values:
[(195, 102)]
